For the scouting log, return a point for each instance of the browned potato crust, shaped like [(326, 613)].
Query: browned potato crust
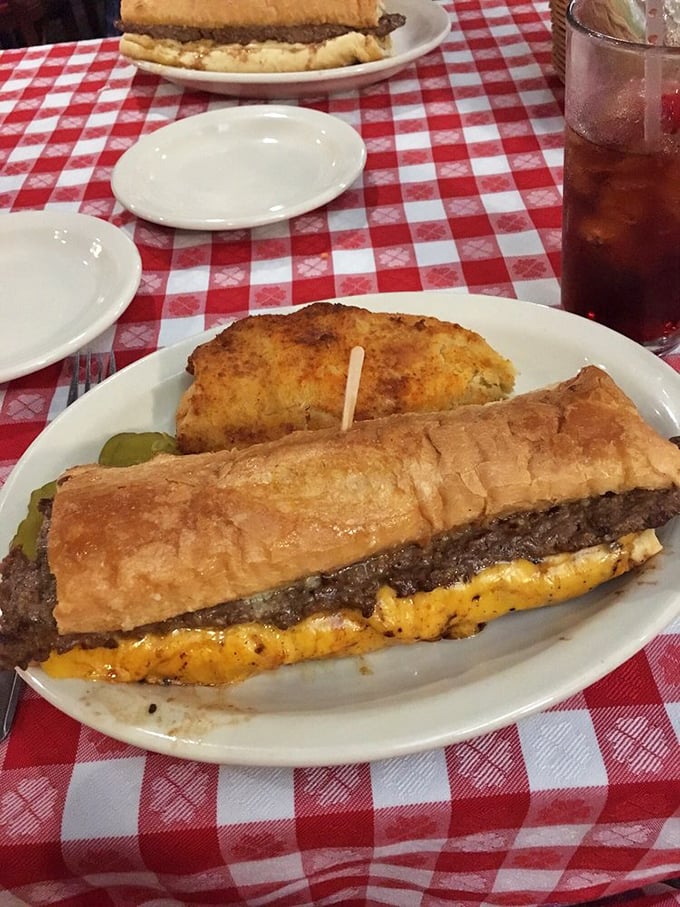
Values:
[(268, 375)]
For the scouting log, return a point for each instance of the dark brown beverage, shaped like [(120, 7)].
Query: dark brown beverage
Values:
[(621, 239)]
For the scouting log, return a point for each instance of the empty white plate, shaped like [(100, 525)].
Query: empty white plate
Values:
[(238, 167), (65, 278)]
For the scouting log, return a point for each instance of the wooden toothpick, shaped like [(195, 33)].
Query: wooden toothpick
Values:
[(356, 362)]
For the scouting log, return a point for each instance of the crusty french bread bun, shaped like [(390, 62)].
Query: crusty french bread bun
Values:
[(244, 13), (283, 36), (257, 56), (303, 545)]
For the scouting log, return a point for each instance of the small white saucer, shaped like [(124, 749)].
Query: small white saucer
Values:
[(239, 167), (65, 278)]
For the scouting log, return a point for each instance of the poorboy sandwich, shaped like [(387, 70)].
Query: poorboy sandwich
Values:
[(268, 375), (209, 568), (254, 37)]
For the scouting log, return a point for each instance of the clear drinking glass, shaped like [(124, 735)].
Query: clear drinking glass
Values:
[(621, 220)]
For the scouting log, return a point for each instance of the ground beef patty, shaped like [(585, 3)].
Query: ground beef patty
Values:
[(292, 34), (27, 593)]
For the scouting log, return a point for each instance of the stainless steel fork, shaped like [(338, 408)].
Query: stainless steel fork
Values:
[(87, 369)]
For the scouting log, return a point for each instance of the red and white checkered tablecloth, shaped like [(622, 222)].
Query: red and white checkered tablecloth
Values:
[(461, 189)]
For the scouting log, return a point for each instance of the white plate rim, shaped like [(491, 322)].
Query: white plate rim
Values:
[(124, 178), (398, 723), (122, 248), (328, 81)]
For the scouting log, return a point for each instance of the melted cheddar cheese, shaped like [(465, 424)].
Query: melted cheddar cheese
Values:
[(204, 656)]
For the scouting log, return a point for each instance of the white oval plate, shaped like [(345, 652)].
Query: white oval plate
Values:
[(239, 167), (427, 24), (405, 699), (65, 278)]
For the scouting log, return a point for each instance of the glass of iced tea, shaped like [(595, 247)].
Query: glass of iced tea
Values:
[(621, 218)]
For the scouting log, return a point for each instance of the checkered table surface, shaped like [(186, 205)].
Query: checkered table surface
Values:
[(461, 190)]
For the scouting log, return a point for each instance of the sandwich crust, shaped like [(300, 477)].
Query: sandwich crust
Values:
[(265, 56), (214, 13), (177, 534)]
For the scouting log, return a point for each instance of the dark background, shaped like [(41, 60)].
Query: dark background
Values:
[(67, 20)]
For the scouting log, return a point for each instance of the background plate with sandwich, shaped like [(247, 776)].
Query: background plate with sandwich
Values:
[(426, 25), (394, 701)]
